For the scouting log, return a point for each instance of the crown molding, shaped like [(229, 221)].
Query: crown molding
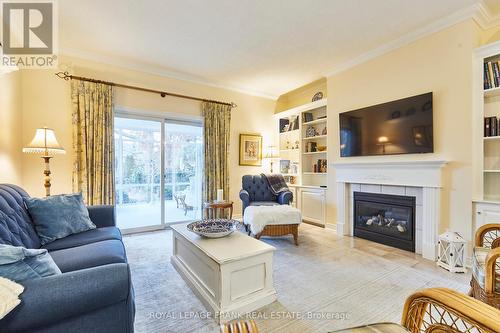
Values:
[(479, 12), (484, 17), (156, 70)]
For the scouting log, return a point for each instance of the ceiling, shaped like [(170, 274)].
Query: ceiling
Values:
[(265, 47)]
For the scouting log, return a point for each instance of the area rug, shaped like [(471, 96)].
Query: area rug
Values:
[(325, 283)]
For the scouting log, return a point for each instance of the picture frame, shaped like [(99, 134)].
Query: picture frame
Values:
[(250, 149), (285, 166)]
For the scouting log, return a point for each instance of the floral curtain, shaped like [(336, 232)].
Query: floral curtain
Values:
[(93, 145), (217, 120)]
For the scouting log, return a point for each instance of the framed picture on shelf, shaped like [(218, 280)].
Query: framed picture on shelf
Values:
[(251, 149), (285, 166)]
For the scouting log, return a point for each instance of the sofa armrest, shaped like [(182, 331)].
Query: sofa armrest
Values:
[(285, 198), (102, 215), (51, 299)]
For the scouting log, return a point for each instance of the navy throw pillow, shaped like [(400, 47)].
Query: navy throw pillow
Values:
[(59, 216), (19, 264)]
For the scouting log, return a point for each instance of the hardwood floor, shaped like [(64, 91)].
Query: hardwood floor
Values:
[(326, 283)]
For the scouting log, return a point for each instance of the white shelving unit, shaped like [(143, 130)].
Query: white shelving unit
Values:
[(316, 137), (486, 158), (298, 148)]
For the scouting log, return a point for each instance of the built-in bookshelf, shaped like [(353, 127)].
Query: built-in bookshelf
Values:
[(486, 125), (303, 144)]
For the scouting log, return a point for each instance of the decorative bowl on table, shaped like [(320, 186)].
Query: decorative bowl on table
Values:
[(213, 228)]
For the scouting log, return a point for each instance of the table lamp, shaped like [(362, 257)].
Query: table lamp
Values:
[(45, 142), (272, 154)]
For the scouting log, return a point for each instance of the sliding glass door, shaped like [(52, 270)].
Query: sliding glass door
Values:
[(157, 183), (183, 171)]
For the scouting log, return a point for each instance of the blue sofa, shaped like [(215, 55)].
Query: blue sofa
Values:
[(94, 293), (256, 192)]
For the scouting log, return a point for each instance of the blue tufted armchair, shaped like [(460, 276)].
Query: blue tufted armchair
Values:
[(256, 192)]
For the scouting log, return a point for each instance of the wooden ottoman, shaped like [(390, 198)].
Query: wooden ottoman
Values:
[(279, 220)]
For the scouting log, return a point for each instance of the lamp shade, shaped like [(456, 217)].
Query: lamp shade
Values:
[(44, 142), (272, 152)]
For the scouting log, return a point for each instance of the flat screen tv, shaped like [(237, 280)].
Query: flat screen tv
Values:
[(400, 127)]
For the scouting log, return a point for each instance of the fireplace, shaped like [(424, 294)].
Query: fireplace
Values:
[(385, 218)]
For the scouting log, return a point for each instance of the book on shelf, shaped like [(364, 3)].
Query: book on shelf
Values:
[(491, 75), (496, 74), (491, 126), (307, 117)]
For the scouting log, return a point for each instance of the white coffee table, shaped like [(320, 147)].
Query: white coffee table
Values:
[(231, 275)]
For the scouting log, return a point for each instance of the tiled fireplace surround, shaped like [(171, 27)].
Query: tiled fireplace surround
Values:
[(418, 179)]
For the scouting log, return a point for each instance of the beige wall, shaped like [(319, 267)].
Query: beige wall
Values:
[(441, 63), (10, 128), (47, 102)]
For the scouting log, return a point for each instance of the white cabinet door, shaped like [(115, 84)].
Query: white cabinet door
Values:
[(313, 205), (486, 213)]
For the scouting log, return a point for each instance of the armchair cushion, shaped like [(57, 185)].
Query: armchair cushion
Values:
[(478, 264)]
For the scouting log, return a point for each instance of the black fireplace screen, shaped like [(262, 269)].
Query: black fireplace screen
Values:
[(387, 219)]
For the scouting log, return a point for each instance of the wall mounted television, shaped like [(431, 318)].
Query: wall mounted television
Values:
[(399, 127)]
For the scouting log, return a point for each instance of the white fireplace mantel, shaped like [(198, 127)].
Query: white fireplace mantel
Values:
[(425, 176), (403, 173)]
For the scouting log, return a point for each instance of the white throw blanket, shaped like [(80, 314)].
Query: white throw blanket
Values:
[(257, 217), (9, 296)]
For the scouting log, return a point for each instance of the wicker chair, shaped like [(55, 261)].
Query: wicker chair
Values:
[(435, 310), (485, 282)]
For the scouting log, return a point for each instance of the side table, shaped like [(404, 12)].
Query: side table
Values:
[(212, 207)]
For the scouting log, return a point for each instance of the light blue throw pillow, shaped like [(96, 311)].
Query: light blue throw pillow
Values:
[(59, 216), (19, 264)]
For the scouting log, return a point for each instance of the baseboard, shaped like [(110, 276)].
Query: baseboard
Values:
[(314, 223)]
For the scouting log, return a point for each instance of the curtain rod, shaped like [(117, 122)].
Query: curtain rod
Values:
[(66, 76)]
